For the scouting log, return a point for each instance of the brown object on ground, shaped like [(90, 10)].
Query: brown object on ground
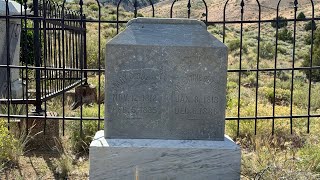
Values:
[(85, 94)]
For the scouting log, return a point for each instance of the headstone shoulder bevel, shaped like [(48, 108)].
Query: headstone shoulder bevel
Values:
[(164, 32)]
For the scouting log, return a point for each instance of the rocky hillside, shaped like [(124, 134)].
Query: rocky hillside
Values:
[(129, 5), (215, 9)]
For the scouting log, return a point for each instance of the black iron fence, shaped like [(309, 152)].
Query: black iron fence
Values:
[(62, 48)]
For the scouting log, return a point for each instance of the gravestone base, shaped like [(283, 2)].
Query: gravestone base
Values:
[(146, 159)]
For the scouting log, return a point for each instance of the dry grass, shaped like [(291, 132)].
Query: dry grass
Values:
[(59, 164)]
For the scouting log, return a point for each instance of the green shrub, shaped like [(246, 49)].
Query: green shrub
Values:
[(12, 143), (234, 45), (282, 75), (311, 157), (285, 35), (94, 7), (267, 50), (307, 39), (311, 25), (315, 73), (250, 81), (301, 16), (282, 22), (282, 49), (282, 96), (9, 149), (92, 49), (231, 89)]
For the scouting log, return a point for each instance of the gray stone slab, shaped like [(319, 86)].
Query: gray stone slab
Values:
[(165, 79), (13, 45), (145, 159)]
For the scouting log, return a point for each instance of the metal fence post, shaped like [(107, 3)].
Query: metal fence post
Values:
[(37, 55), (85, 65)]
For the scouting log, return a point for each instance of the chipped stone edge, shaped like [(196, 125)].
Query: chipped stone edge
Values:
[(166, 21)]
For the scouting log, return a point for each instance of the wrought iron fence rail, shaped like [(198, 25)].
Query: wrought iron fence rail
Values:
[(242, 118)]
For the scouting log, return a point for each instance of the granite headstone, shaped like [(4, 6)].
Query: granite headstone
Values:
[(165, 79), (165, 100)]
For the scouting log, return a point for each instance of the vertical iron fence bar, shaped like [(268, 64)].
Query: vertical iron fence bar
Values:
[(8, 61), (21, 71), (44, 22), (205, 4), (151, 3), (240, 67), (68, 54), (257, 74), (81, 63), (58, 63), (37, 51), (26, 63), (293, 63), (99, 66), (310, 61), (73, 55), (55, 54), (171, 8), (77, 54), (224, 21), (135, 5), (70, 57), (63, 63), (275, 69), (50, 48), (41, 47), (53, 13), (118, 5), (189, 8), (85, 65), (73, 49)]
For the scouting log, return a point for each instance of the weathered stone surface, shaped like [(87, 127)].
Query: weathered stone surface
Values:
[(165, 79), (14, 49), (144, 159)]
